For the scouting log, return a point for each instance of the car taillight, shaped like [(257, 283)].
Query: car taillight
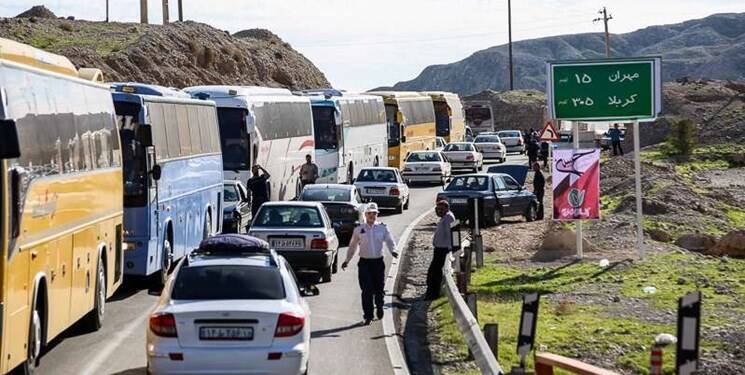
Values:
[(395, 191), (319, 244), (519, 141), (163, 325), (289, 324), (469, 157)]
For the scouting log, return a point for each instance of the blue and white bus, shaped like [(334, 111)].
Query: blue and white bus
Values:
[(350, 132), (172, 175)]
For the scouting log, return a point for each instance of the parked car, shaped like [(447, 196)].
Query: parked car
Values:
[(343, 204), (384, 186), (502, 197), (440, 143), (426, 166), (463, 156), (302, 232), (232, 306), (513, 140), (236, 207), (491, 147)]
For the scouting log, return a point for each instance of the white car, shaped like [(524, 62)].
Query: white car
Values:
[(440, 143), (302, 232), (384, 186), (426, 166), (231, 307), (463, 155), (491, 147), (513, 140)]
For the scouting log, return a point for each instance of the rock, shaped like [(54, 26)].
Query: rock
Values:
[(616, 299), (36, 12), (681, 281), (659, 235), (653, 207), (696, 242), (561, 242), (731, 245)]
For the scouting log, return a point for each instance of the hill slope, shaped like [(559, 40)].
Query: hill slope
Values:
[(711, 47), (179, 54)]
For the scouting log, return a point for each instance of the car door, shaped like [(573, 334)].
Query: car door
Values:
[(503, 196), (517, 205)]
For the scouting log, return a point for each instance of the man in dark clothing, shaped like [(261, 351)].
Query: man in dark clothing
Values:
[(615, 139), (539, 185), (532, 150), (442, 243), (544, 153), (259, 187)]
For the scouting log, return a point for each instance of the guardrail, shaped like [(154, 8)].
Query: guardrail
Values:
[(545, 363)]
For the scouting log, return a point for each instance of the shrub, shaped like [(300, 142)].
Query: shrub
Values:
[(66, 26), (682, 138)]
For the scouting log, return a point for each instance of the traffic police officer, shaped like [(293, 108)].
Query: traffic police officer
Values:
[(369, 237)]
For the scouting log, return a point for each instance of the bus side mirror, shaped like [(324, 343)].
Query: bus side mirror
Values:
[(156, 171), (9, 146), (145, 135)]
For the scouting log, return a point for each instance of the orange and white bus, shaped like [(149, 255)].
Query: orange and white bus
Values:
[(449, 116), (60, 202)]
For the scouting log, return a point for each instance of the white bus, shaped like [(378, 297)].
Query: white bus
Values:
[(350, 133), (266, 126)]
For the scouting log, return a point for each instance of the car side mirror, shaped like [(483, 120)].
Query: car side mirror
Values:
[(403, 138), (10, 147), (156, 171)]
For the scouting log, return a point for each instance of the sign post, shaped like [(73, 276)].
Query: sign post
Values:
[(607, 90), (526, 333), (689, 327)]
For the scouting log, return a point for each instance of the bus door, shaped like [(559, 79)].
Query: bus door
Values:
[(154, 176)]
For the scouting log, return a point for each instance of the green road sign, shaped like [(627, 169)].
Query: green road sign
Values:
[(604, 90)]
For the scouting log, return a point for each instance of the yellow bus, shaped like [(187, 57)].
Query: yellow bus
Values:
[(411, 124), (449, 117), (60, 202)]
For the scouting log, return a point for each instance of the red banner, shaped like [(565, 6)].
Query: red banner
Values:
[(576, 184)]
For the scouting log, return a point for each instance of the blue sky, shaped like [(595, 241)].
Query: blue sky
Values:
[(361, 44)]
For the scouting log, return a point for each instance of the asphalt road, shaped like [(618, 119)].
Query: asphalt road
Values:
[(339, 345)]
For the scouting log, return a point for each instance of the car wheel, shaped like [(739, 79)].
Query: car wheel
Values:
[(496, 217), (400, 208), (326, 274), (530, 215), (94, 320), (406, 205), (335, 265)]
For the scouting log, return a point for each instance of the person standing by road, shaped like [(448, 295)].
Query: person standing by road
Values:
[(442, 241), (544, 153), (539, 186), (532, 148), (259, 187), (615, 139), (370, 237), (308, 172)]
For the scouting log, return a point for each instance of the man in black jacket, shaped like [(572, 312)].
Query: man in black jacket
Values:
[(539, 186)]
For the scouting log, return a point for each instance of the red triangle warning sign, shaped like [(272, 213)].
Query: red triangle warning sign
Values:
[(549, 132)]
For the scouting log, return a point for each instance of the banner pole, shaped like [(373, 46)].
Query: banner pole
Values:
[(638, 181), (577, 223)]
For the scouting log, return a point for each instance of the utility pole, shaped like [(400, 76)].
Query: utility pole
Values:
[(107, 10), (143, 11), (180, 11), (165, 12), (509, 34), (605, 20)]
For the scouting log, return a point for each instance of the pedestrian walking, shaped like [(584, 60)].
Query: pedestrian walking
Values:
[(544, 153), (615, 139), (258, 184), (370, 237), (308, 172), (532, 150), (539, 186), (442, 243)]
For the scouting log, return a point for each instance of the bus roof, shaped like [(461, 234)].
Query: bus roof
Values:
[(441, 95), (397, 94), (321, 100), (27, 55), (145, 89), (216, 91)]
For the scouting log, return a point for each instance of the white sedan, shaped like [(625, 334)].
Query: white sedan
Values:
[(491, 147), (463, 155), (426, 166), (384, 186), (231, 307)]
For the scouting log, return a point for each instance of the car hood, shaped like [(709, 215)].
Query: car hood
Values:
[(518, 172)]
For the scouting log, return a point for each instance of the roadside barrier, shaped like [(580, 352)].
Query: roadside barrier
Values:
[(545, 363)]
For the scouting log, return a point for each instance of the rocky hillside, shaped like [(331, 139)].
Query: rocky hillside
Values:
[(179, 54), (711, 47)]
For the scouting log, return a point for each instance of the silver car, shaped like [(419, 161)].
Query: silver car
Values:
[(491, 146), (426, 166), (384, 186), (302, 232), (513, 140), (463, 155)]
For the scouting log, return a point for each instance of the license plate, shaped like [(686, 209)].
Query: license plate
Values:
[(459, 201), (287, 243), (375, 190), (226, 333), (420, 169)]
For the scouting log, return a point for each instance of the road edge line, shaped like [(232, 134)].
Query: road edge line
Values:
[(395, 352)]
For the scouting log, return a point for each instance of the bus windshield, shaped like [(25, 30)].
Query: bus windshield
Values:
[(324, 126), (233, 138), (133, 155), (394, 128), (442, 119)]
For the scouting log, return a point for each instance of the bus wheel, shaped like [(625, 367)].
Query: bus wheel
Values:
[(94, 320), (34, 342), (165, 263)]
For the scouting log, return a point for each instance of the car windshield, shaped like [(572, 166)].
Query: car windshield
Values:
[(376, 175), (288, 216), (459, 147), (230, 193), (510, 134), (487, 139), (469, 183), (326, 195), (228, 282), (424, 157)]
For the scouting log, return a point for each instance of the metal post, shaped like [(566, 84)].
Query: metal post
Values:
[(165, 12), (509, 34), (577, 223), (477, 241), (491, 334), (638, 178), (107, 10), (180, 11), (143, 11)]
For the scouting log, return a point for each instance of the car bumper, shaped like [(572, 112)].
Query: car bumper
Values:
[(385, 201), (308, 259), (227, 360), (423, 177), (494, 154), (516, 148), (464, 164)]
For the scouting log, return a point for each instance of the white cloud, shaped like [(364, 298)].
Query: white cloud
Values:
[(361, 44)]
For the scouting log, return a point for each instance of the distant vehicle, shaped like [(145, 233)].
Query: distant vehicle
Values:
[(513, 140), (469, 134), (233, 306), (61, 253), (605, 142), (449, 116), (411, 124), (463, 155), (384, 186), (440, 143), (502, 197), (173, 182), (237, 210), (491, 147), (350, 133), (302, 232), (479, 116), (343, 204), (426, 166), (266, 126)]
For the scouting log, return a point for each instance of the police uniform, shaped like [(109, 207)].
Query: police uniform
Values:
[(371, 267)]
